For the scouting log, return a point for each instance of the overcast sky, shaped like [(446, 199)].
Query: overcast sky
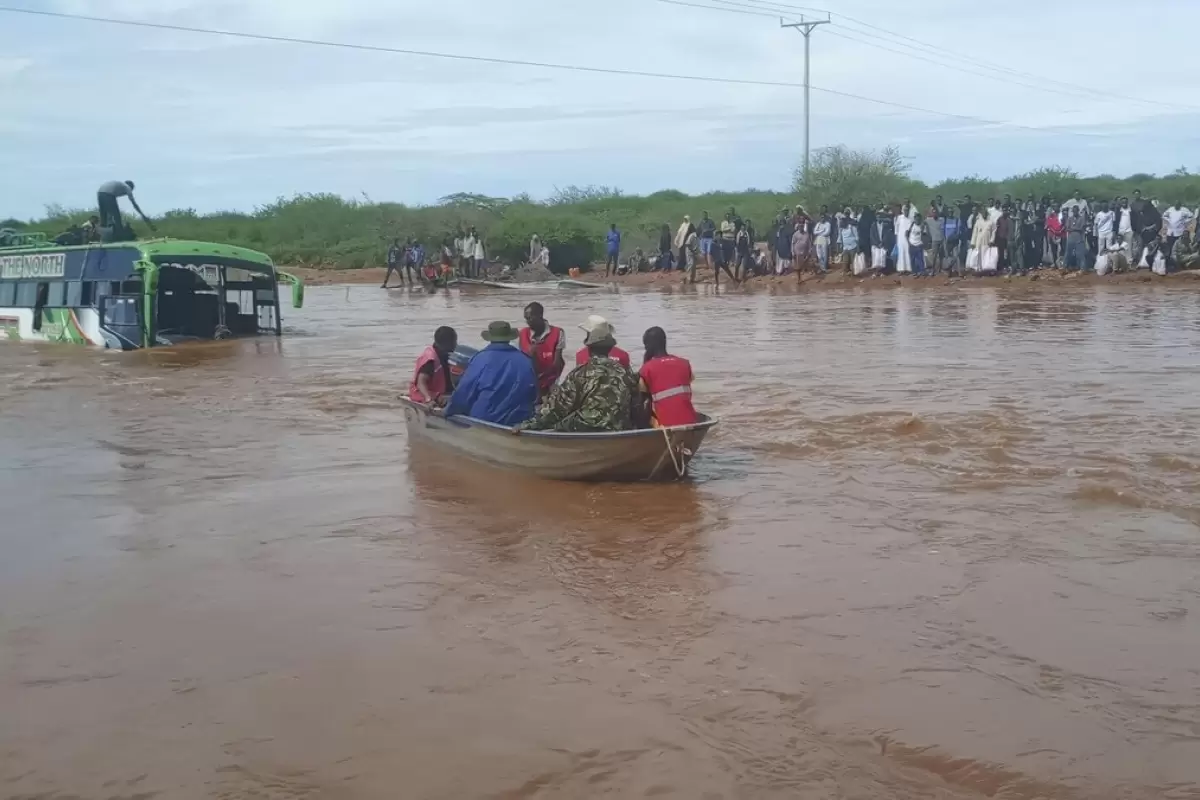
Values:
[(210, 122)]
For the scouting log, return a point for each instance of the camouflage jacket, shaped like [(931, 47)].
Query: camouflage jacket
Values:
[(597, 396)]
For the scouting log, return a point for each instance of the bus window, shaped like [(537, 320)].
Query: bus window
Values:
[(120, 311), (8, 291), (74, 294), (55, 292), (88, 298), (26, 295), (43, 296)]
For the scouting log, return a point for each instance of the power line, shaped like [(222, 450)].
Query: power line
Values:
[(730, 10), (941, 61), (781, 7), (988, 71), (523, 63), (982, 73)]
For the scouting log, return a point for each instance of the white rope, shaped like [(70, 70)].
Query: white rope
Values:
[(678, 460)]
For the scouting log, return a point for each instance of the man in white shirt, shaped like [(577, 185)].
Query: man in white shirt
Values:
[(1103, 228), (1177, 220), (468, 254), (1075, 201), (1125, 231)]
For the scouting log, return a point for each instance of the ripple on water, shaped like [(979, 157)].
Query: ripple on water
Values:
[(946, 547)]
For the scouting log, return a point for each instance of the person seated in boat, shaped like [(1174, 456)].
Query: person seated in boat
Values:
[(431, 382), (582, 356), (596, 397), (543, 343), (666, 380), (499, 384)]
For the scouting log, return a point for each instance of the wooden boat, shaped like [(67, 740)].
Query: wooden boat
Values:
[(626, 456), (574, 284)]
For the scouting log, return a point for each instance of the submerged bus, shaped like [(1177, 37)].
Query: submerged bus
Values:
[(130, 295)]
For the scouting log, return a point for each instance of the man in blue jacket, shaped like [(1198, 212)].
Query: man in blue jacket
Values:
[(499, 384)]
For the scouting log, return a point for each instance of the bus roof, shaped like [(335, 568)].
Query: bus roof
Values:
[(115, 260)]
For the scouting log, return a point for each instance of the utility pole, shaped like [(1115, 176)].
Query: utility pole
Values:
[(806, 27)]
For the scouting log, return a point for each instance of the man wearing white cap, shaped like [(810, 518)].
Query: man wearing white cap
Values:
[(595, 323)]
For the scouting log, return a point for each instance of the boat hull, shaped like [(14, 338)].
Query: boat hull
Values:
[(627, 456)]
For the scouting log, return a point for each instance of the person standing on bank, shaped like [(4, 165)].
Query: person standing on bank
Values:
[(822, 235), (681, 235), (742, 245), (613, 245), (708, 230), (666, 255), (480, 259), (544, 344), (110, 210), (936, 229), (1102, 226), (1177, 220), (395, 254)]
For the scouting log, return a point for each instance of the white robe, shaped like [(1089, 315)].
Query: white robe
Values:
[(903, 256), (984, 231), (681, 234)]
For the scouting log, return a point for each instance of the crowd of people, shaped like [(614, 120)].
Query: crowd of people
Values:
[(519, 385), (998, 236), (465, 255)]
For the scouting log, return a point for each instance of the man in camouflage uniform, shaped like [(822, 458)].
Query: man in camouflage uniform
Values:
[(597, 396)]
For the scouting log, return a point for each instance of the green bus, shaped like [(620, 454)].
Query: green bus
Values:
[(130, 295)]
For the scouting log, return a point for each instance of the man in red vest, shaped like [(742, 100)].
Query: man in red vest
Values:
[(543, 343), (595, 323), (667, 381), (431, 381)]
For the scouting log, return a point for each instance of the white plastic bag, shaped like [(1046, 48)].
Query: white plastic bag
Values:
[(973, 261), (991, 259), (878, 258), (1102, 264), (1160, 264), (860, 264)]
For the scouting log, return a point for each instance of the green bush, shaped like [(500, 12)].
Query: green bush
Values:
[(325, 230)]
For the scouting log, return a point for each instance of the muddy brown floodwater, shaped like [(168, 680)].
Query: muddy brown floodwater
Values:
[(945, 544)]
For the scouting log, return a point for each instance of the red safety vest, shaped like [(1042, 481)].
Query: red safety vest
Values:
[(437, 381), (542, 354), (669, 381), (617, 353)]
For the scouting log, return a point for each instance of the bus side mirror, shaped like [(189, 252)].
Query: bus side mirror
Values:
[(297, 287)]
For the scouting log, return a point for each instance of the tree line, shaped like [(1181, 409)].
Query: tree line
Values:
[(325, 230)]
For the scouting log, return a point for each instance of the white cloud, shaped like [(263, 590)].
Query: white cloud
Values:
[(10, 68)]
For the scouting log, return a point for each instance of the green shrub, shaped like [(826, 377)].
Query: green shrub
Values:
[(332, 231)]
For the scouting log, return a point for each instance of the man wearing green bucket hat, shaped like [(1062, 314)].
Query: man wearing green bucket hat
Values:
[(499, 384)]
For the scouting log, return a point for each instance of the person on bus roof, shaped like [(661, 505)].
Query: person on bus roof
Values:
[(110, 211)]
